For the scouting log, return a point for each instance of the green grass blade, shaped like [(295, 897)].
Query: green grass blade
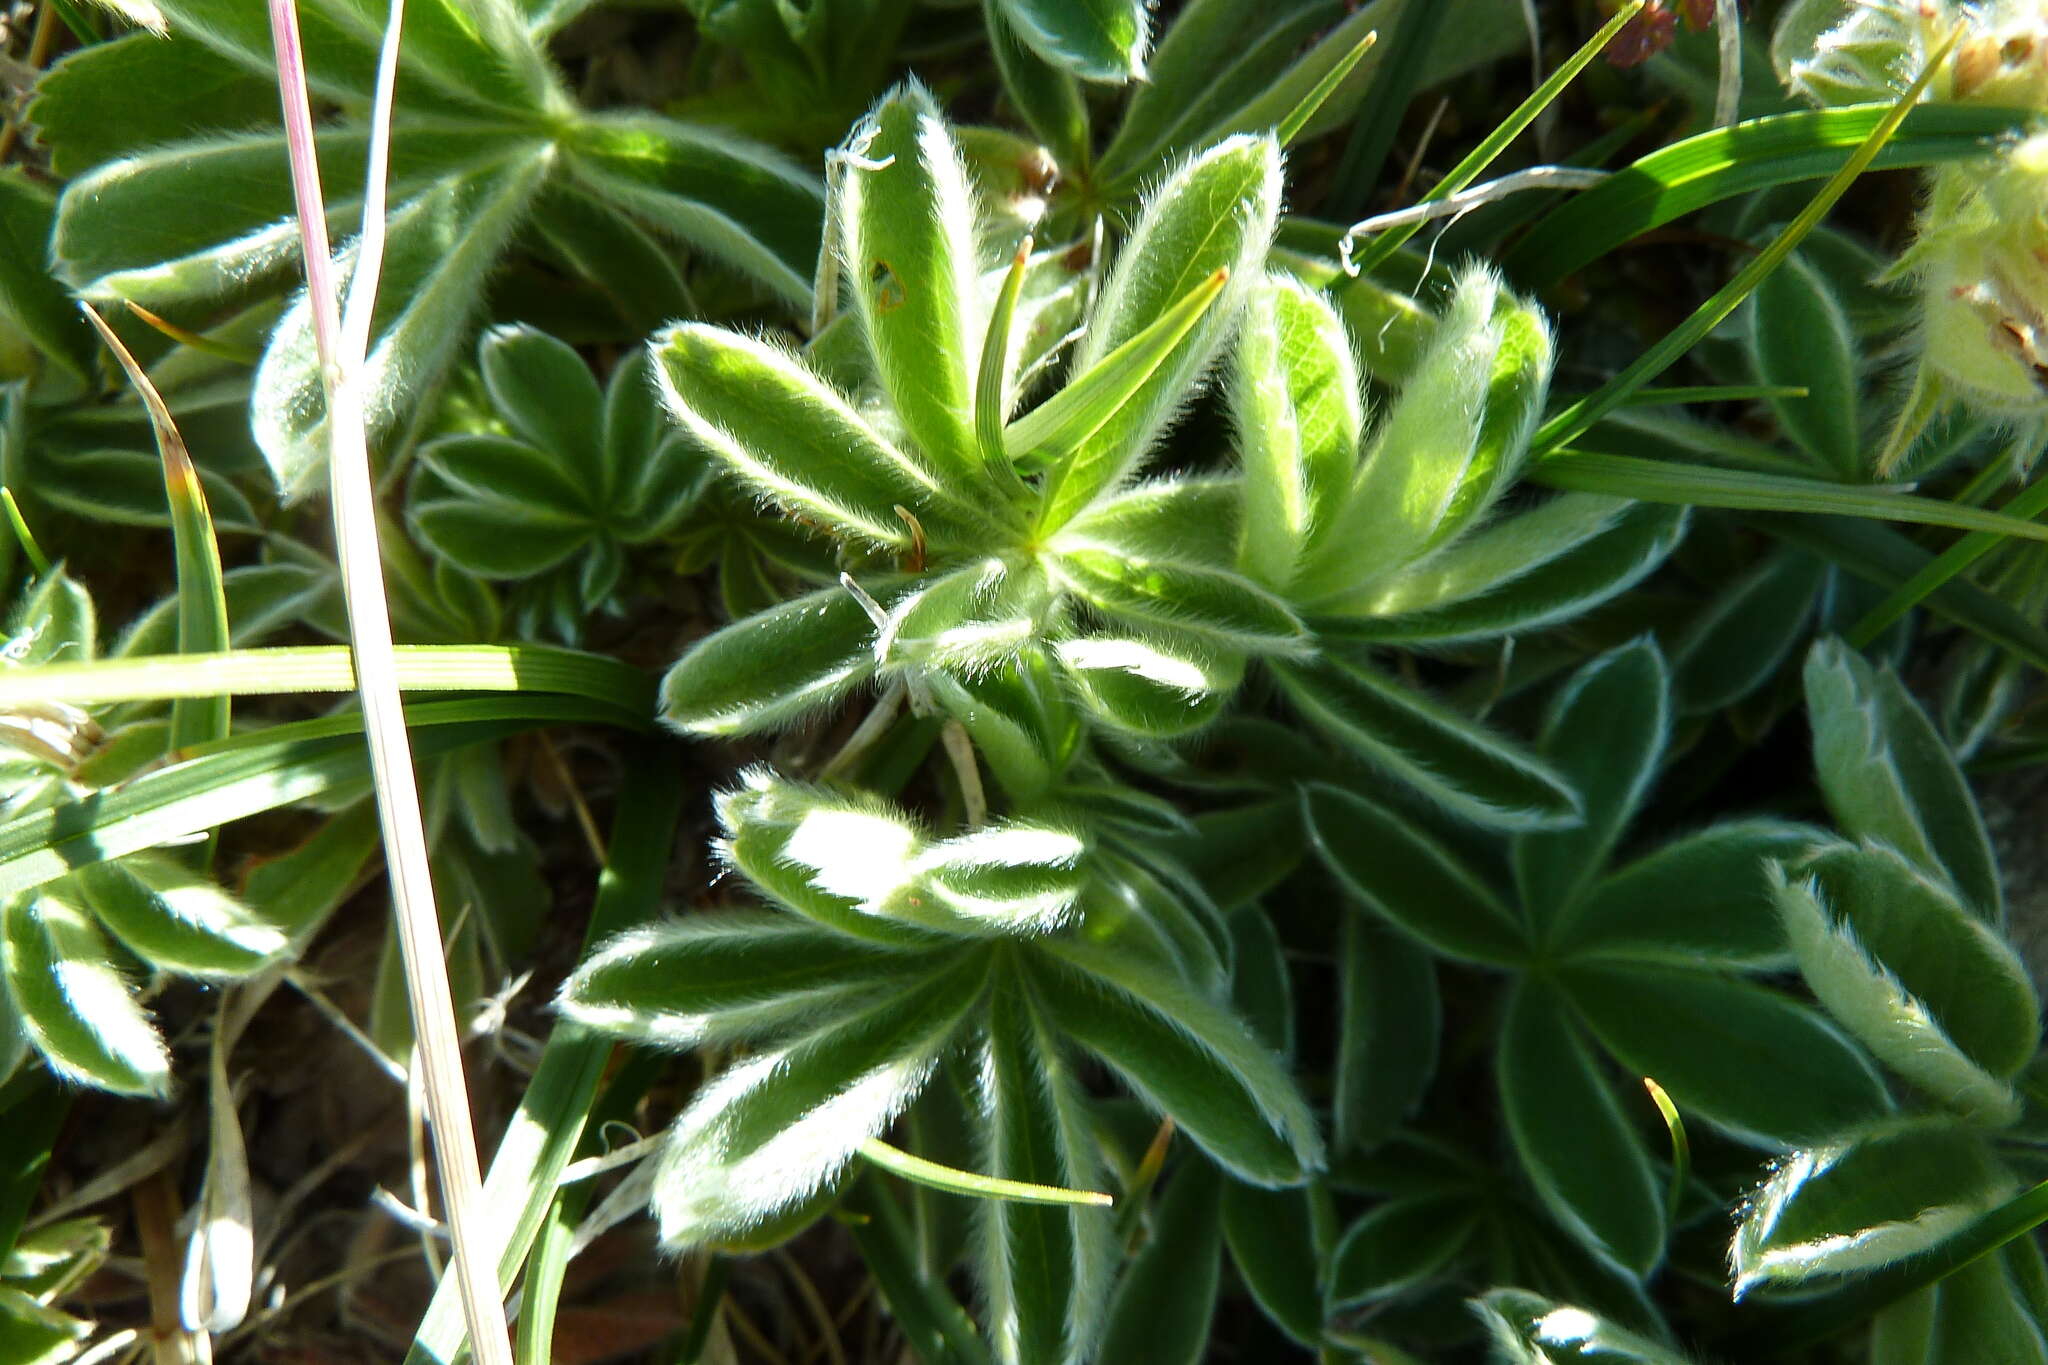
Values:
[(1576, 419), (246, 775), (1056, 428), (1672, 481), (930, 1173), (1414, 30), (544, 1135), (2028, 505), (329, 668), (1880, 555), (202, 601), (1728, 162), (1496, 142), (995, 359)]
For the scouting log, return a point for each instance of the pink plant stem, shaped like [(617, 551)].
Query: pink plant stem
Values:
[(343, 352)]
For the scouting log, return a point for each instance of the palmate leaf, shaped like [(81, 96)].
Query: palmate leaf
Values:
[(176, 920), (772, 1130), (727, 978), (1862, 989), (482, 127), (72, 1002), (1398, 1245), (1300, 416), (854, 863), (1530, 571), (1154, 689), (1389, 1030), (1529, 1329), (1585, 1157), (1216, 212), (1451, 444), (1799, 337), (1186, 1055), (773, 668), (30, 299), (439, 248), (1979, 1312), (910, 217), (1864, 1203), (1702, 900), (1739, 639), (793, 440), (1888, 775), (1404, 875), (1097, 40), (1044, 1268), (1471, 771), (1743, 1057)]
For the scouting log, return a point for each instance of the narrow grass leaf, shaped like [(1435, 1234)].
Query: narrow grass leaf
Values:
[(1671, 481), (1725, 163), (202, 601)]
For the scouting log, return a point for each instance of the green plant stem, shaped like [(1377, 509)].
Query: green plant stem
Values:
[(558, 1104), (2030, 503)]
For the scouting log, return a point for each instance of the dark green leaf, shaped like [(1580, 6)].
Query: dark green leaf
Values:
[(1390, 1026), (1888, 775), (1097, 40), (1186, 1055), (1272, 1240), (1163, 1303), (1471, 771), (1701, 900), (1738, 640), (1737, 1055), (1606, 734), (1411, 880), (72, 1002), (1397, 1246), (772, 669), (1864, 1203), (1799, 337), (177, 920), (1582, 1152)]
